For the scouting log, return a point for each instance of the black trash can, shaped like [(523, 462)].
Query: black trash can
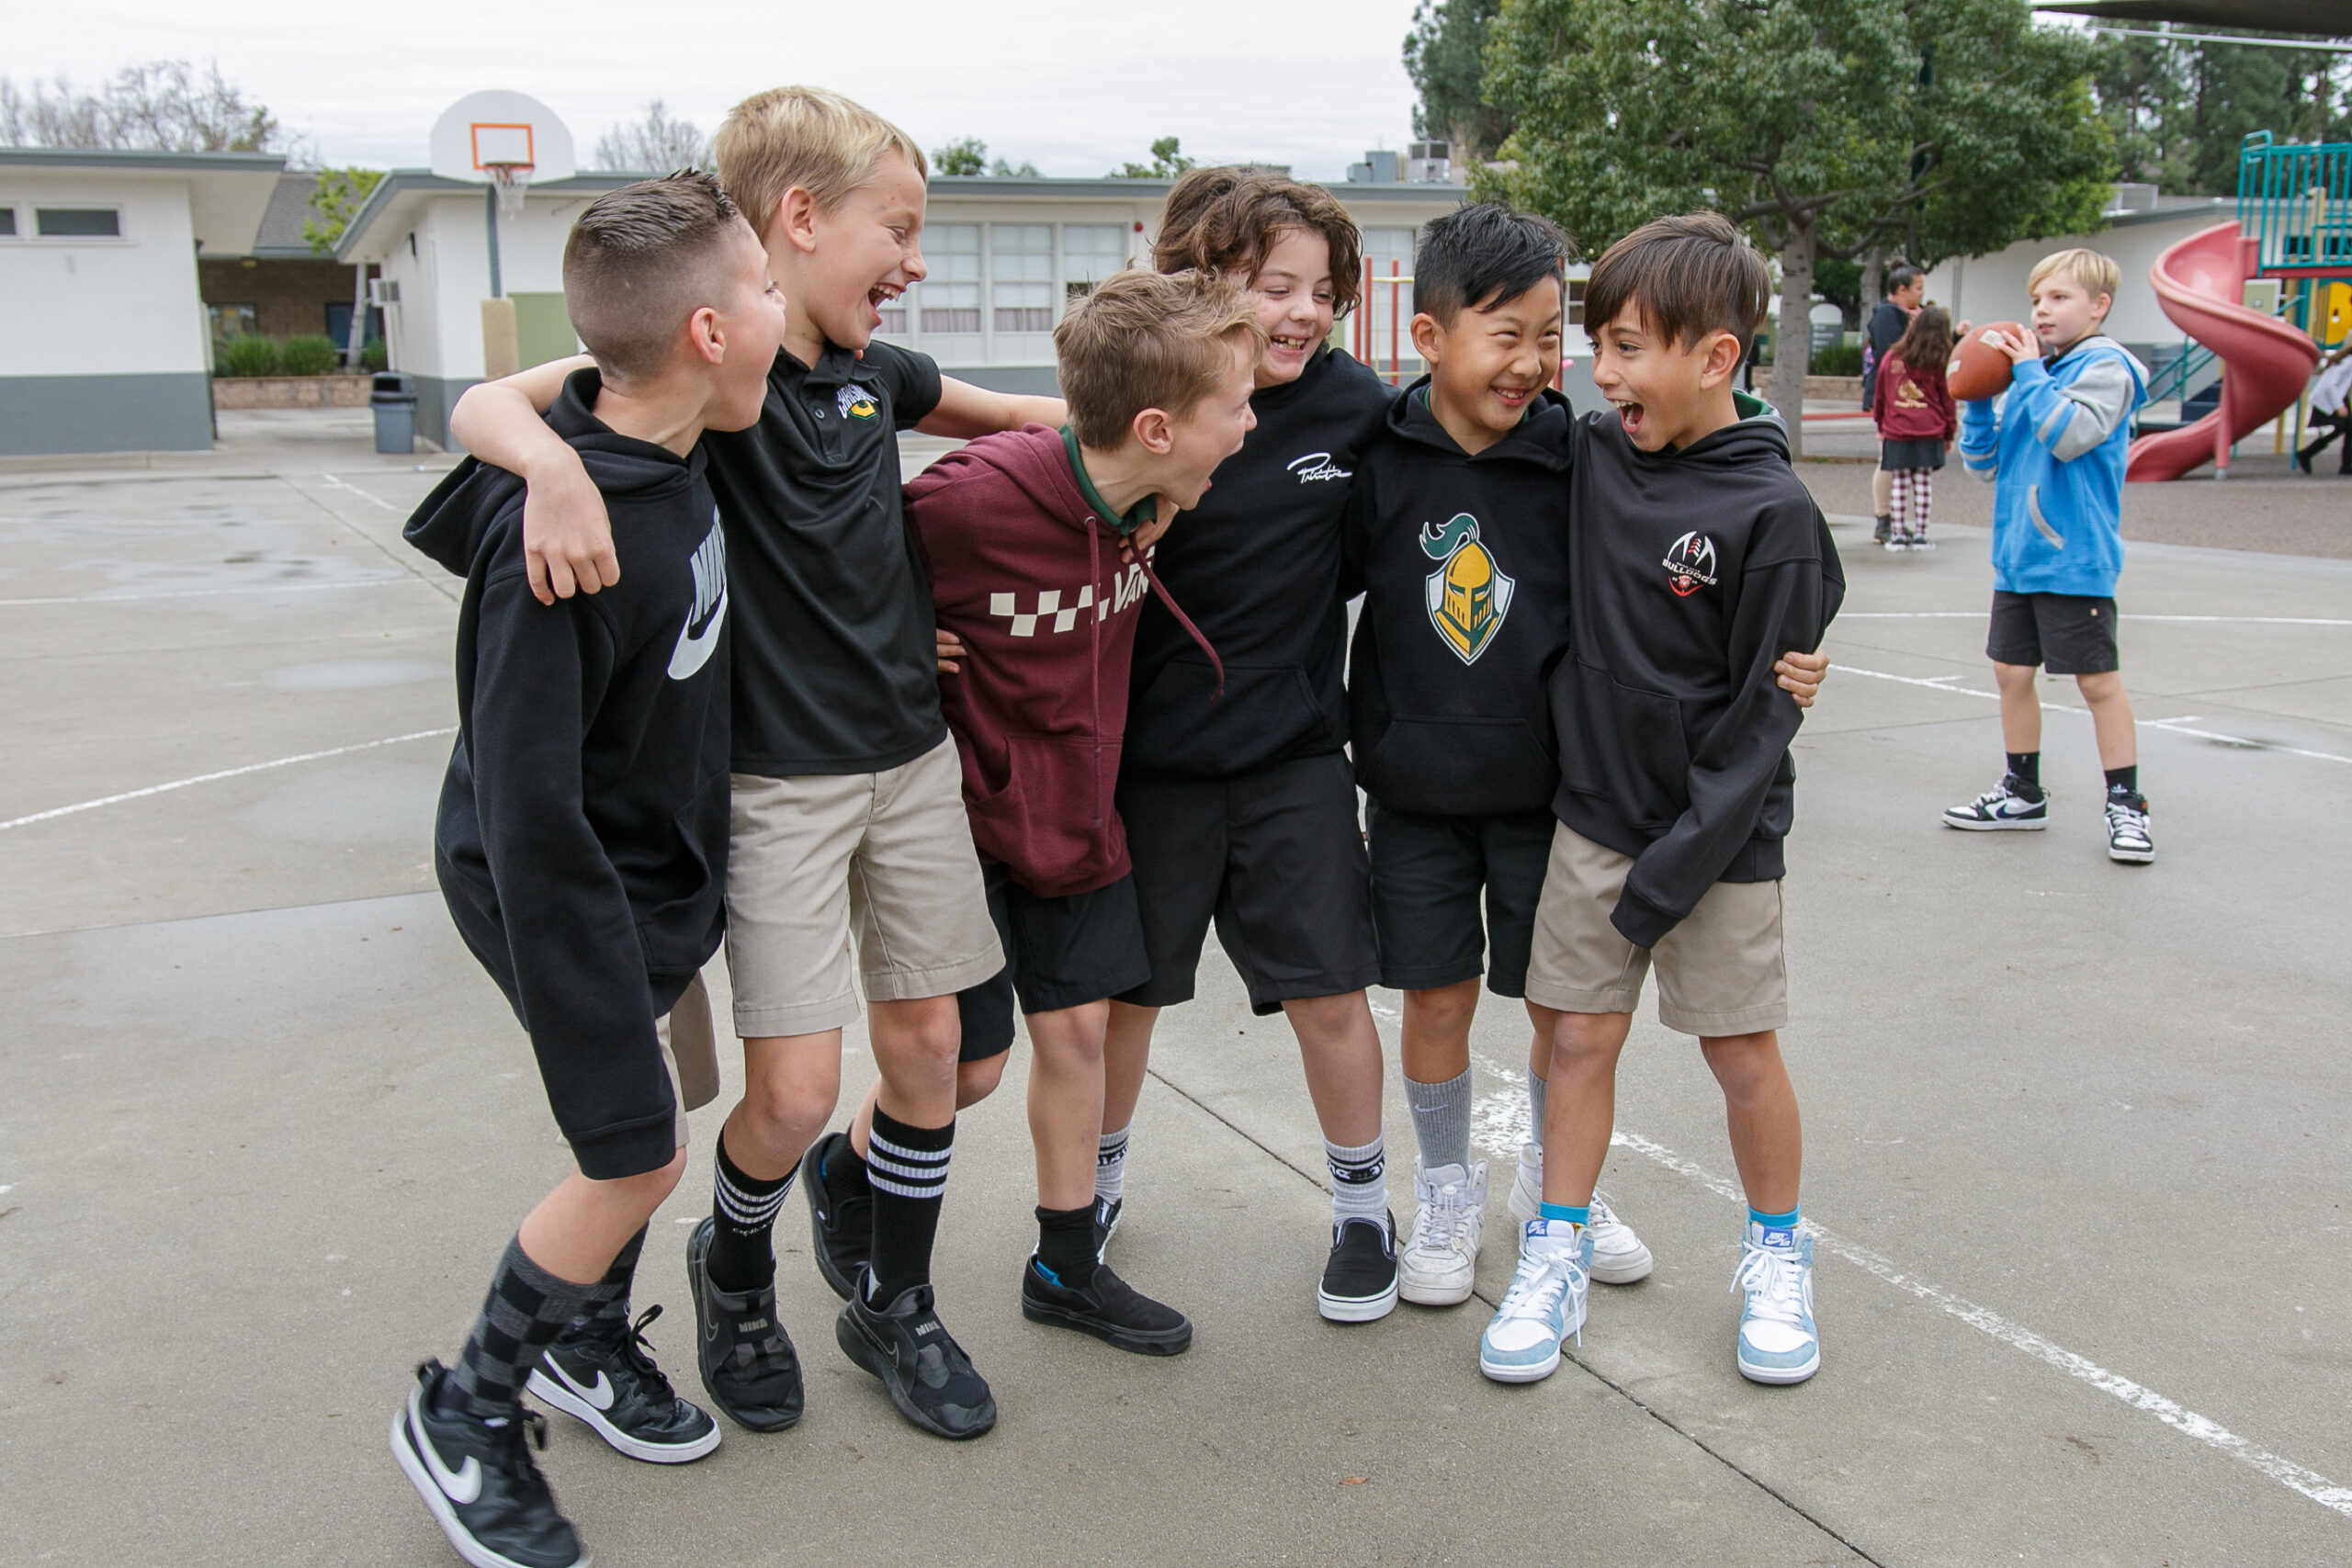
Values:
[(395, 409)]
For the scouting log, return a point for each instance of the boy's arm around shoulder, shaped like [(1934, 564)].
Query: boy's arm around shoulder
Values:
[(1785, 602), (965, 411), (566, 538)]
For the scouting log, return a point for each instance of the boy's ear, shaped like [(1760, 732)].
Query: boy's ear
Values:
[(1719, 356), (1428, 337), (1155, 430), (707, 335), (2100, 305), (796, 217)]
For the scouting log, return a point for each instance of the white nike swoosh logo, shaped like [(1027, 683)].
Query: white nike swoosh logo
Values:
[(461, 1487), (692, 652), (600, 1395)]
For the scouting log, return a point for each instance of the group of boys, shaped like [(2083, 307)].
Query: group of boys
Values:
[(966, 748)]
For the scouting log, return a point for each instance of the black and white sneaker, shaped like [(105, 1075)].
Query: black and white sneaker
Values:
[(479, 1482), (607, 1379), (1106, 1225), (927, 1375), (2126, 829), (843, 1227), (2001, 806), (1360, 1277), (748, 1364), (1885, 527), (1107, 1307)]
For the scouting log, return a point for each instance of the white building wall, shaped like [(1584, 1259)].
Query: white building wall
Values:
[(91, 306), (1992, 288)]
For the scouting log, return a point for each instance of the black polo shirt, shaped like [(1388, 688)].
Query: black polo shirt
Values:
[(835, 666)]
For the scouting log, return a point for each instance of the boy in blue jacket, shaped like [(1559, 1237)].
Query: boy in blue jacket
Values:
[(2055, 448)]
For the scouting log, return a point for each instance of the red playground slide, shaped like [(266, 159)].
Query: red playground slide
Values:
[(2265, 363)]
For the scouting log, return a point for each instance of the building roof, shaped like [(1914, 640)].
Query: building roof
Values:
[(228, 192), (385, 215), (289, 209)]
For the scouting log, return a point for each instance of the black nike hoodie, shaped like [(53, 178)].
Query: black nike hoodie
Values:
[(1691, 573), (1464, 562), (581, 839)]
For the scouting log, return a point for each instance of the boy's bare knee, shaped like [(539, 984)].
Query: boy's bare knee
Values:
[(975, 1082), (2104, 686), (782, 1112)]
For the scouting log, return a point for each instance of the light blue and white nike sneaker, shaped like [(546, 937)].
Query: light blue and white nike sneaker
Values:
[(1545, 1305), (1777, 1343)]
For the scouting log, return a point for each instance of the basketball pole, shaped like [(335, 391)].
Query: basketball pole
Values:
[(489, 214)]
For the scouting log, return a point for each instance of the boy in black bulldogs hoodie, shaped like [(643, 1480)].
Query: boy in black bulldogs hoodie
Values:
[(1695, 557), (582, 846)]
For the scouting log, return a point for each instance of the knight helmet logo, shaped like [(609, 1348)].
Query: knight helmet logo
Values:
[(1691, 564), (1468, 595)]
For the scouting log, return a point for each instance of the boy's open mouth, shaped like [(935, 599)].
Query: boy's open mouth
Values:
[(880, 296), (1629, 412), (1285, 343), (1512, 398)]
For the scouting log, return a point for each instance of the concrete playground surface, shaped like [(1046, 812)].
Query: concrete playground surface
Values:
[(2076, 1130)]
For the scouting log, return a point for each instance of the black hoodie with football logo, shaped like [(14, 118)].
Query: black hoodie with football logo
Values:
[(1691, 573), (582, 838), (1465, 563)]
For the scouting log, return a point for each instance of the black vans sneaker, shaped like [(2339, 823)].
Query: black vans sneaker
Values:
[(1360, 1277), (1107, 1307), (747, 1360), (841, 1225), (929, 1377), (479, 1482), (606, 1376)]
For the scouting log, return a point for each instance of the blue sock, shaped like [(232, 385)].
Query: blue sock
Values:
[(1772, 1222), (1576, 1214)]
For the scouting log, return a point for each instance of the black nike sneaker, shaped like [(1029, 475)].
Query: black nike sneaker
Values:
[(929, 1377), (1107, 1307), (604, 1375), (480, 1483), (748, 1364), (841, 1223), (1360, 1277)]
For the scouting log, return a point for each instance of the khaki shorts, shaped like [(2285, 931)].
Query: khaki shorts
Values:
[(689, 1051), (887, 855), (1719, 971)]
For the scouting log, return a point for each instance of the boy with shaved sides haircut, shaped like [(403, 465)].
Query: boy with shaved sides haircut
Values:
[(848, 827), (582, 845), (1020, 533)]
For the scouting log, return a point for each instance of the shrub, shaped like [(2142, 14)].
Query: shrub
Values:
[(245, 355), (1839, 359), (311, 353), (372, 357)]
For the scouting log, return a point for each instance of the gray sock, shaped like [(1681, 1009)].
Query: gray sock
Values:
[(1441, 1120), (1535, 1087), (526, 1309)]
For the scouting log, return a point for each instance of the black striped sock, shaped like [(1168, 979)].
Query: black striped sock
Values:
[(526, 1309), (743, 1248), (605, 1316), (1358, 1181), (908, 1168)]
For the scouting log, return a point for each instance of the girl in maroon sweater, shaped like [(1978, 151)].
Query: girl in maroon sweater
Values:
[(1916, 422)]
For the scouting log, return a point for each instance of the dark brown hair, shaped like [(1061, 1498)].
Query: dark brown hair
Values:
[(1226, 220), (1149, 340), (1686, 275), (640, 260), (1925, 343)]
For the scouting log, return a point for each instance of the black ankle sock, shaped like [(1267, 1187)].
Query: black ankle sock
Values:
[(1065, 1245), (2026, 768), (2123, 781), (908, 1167), (743, 1248)]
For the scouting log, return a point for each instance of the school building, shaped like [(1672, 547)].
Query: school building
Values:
[(107, 345)]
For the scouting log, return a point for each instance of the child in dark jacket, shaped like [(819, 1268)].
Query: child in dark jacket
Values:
[(1022, 536), (582, 845), (1916, 422)]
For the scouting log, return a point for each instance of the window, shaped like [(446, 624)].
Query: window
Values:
[(949, 300), (78, 223), (237, 321), (1023, 254), (7, 222), (1091, 252), (1576, 301)]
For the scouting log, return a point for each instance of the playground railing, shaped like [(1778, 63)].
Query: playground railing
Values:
[(2295, 201)]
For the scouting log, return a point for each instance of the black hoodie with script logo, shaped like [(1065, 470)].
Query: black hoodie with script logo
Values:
[(1689, 573), (581, 839)]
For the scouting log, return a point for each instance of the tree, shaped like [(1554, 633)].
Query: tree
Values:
[(1166, 161), (334, 201), (658, 142), (2178, 108), (1024, 170), (965, 155), (164, 106), (1824, 127), (1445, 55)]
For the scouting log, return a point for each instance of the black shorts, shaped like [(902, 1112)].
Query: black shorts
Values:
[(1275, 856), (1427, 872), (1058, 952), (2066, 634)]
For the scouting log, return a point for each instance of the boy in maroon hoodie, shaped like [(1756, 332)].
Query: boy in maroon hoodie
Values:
[(1020, 534)]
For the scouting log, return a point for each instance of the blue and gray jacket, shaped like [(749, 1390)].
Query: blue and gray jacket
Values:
[(2053, 447)]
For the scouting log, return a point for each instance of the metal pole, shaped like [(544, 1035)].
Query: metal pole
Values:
[(489, 215), (1395, 268)]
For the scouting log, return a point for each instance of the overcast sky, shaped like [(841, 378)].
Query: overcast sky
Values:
[(1074, 86)]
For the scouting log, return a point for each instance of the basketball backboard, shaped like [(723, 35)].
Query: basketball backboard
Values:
[(484, 132)]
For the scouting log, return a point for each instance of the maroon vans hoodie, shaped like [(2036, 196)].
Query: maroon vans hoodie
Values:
[(1026, 573)]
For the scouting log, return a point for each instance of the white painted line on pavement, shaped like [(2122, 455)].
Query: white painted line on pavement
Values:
[(2169, 726), (357, 492), (2288, 1474), (223, 774), (211, 592)]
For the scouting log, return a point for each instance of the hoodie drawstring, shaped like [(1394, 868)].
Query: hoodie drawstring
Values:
[(1183, 620), (1094, 666)]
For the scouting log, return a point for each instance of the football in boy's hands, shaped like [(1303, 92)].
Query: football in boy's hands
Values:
[(1979, 367)]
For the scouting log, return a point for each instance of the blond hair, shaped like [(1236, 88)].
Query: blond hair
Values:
[(1149, 340), (2098, 273), (806, 137)]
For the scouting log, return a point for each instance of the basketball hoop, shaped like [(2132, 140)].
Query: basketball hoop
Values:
[(511, 181)]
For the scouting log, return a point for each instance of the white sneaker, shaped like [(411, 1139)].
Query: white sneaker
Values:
[(1438, 1262), (1618, 1255), (1778, 1342), (1544, 1305)]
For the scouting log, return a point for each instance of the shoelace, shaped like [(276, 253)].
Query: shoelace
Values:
[(1774, 1284), (1537, 1286), (512, 1443), (1449, 1211), (2122, 817), (638, 1353)]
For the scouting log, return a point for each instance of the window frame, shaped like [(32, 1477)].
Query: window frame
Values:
[(113, 209)]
